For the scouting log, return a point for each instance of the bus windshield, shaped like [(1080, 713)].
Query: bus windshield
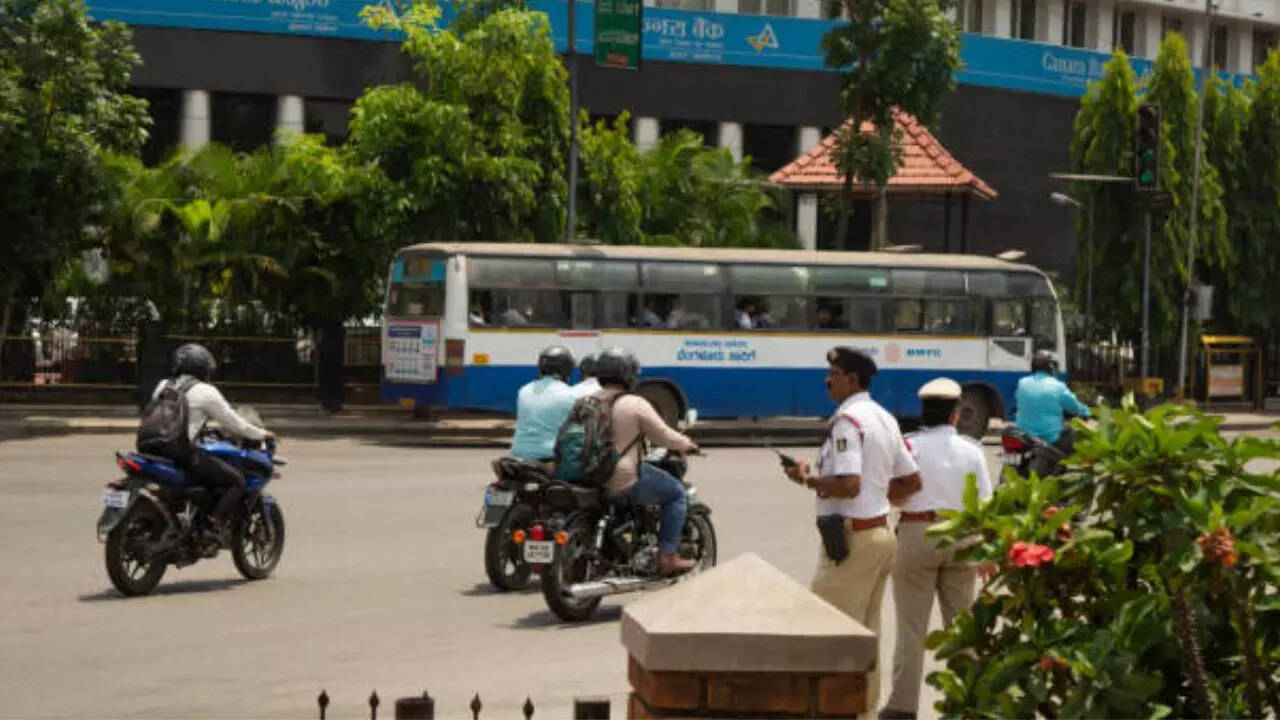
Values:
[(416, 288)]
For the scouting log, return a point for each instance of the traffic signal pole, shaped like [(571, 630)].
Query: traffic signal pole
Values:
[(1146, 291), (571, 55)]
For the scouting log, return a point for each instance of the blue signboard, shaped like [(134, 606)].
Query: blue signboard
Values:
[(669, 36)]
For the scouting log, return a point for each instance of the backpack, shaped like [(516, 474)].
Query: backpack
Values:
[(585, 453), (163, 430)]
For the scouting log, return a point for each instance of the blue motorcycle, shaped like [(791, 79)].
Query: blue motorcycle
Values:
[(153, 517)]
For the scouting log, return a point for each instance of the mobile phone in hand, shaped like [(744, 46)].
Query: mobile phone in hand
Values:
[(788, 462)]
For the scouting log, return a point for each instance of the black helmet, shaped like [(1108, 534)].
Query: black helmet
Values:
[(618, 366), (195, 360), (588, 366), (556, 360), (1044, 361)]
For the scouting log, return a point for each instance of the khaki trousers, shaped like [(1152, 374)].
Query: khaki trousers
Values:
[(856, 587), (923, 570)]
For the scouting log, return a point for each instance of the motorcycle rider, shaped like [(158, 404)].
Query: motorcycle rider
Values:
[(194, 362), (640, 482), (589, 384), (1042, 401), (543, 405)]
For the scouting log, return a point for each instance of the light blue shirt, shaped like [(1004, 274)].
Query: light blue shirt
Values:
[(1042, 399), (541, 408)]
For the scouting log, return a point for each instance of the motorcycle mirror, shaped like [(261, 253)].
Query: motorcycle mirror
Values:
[(690, 418)]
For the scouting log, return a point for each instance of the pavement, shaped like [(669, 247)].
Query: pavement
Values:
[(455, 429)]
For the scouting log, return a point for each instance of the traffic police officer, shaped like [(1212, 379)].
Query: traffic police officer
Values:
[(923, 570), (864, 464)]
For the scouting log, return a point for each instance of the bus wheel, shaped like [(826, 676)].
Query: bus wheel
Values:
[(973, 413), (664, 400)]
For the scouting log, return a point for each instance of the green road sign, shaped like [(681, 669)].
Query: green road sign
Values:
[(618, 32)]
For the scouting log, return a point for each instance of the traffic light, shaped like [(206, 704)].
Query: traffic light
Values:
[(1146, 156)]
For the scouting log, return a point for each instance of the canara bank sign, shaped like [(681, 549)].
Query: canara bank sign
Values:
[(701, 28)]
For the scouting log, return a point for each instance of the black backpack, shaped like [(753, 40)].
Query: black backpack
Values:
[(163, 430)]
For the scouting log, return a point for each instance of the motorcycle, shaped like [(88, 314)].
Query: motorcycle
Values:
[(513, 501), (599, 545), (151, 516), (1026, 453)]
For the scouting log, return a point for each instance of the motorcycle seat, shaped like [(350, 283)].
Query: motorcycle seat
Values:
[(155, 459)]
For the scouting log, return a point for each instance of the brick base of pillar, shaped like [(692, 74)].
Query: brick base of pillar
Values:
[(744, 694)]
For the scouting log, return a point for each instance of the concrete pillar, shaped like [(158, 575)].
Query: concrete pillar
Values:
[(725, 6), (647, 131), (195, 119), (291, 114), (808, 9), (729, 136), (1002, 18), (1242, 48), (1051, 16), (1195, 31), (806, 138), (807, 221), (880, 221), (1148, 34), (1102, 20)]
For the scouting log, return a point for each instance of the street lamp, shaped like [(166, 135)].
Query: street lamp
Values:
[(1067, 201)]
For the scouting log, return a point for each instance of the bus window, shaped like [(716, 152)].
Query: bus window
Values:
[(416, 300), (518, 308), (1009, 318), (1044, 324), (683, 296), (617, 283), (908, 315), (836, 280), (771, 296), (989, 284), (951, 316), (582, 311), (927, 282)]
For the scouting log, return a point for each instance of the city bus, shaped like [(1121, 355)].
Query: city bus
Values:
[(731, 333)]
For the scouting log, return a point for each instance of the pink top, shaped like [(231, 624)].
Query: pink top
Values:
[(632, 415)]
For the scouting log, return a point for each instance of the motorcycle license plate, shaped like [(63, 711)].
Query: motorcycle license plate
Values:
[(495, 506), (498, 498), (540, 552), (115, 498)]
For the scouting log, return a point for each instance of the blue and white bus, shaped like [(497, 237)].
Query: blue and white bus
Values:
[(730, 332)]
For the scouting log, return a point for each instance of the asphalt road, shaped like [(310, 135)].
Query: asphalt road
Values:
[(381, 587)]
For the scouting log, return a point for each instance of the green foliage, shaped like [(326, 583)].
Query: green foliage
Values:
[(475, 150), (1161, 594), (62, 101)]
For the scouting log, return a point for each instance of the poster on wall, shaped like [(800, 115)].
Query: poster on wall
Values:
[(1226, 381), (411, 351)]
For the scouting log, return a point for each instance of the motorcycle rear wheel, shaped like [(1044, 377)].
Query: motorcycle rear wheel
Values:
[(256, 547), (571, 565), (128, 572), (503, 562)]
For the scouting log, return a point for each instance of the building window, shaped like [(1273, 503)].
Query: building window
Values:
[(1075, 14), (1170, 24), (969, 16), (685, 4), (833, 9), (165, 108), (1264, 41), (1220, 38), (328, 118), (1122, 31), (781, 8), (707, 129), (243, 121), (1024, 19)]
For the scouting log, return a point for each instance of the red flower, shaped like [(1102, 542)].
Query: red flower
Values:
[(1024, 554)]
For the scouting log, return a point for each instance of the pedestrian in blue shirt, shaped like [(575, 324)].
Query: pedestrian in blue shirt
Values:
[(1043, 401), (543, 405)]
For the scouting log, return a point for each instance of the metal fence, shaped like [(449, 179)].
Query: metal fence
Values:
[(424, 707)]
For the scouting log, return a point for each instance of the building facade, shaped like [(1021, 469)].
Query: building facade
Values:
[(747, 74)]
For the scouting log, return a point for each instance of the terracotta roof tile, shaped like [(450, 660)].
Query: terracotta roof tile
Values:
[(927, 167)]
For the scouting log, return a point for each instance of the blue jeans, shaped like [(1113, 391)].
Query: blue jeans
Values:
[(659, 487)]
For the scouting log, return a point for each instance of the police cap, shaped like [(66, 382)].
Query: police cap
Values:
[(941, 389), (852, 360)]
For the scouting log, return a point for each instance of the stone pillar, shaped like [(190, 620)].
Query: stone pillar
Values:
[(1050, 18), (1242, 47), (725, 6), (1102, 19), (291, 114), (807, 221), (1002, 18), (1148, 32), (729, 136), (808, 9), (806, 138), (646, 131), (1195, 31), (195, 119), (744, 639)]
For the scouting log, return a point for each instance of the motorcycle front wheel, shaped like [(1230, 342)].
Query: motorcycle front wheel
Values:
[(572, 565), (257, 542), (503, 562), (699, 540), (130, 565)]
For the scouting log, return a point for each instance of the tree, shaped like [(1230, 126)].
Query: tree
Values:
[(892, 54), (475, 150), (1226, 110), (62, 102)]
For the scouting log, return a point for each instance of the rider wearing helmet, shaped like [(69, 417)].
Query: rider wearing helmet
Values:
[(1043, 400), (589, 384), (640, 482), (543, 405), (194, 364)]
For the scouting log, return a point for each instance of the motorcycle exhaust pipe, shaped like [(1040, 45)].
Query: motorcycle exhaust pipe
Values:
[(615, 586)]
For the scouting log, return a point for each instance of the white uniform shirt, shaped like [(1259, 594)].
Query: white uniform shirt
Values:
[(870, 446), (946, 458), (205, 402), (590, 386)]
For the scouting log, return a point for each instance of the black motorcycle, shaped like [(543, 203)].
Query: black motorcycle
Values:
[(600, 545), (153, 517), (512, 502), (1026, 453)]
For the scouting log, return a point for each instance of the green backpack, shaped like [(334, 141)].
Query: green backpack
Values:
[(585, 453)]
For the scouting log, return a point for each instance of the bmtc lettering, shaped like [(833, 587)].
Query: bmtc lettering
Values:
[(926, 353)]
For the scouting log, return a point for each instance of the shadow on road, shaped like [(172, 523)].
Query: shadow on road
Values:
[(180, 587), (543, 619), (484, 589)]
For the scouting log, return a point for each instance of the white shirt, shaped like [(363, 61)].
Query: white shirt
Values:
[(869, 446), (590, 386), (204, 403), (946, 458), (744, 320)]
